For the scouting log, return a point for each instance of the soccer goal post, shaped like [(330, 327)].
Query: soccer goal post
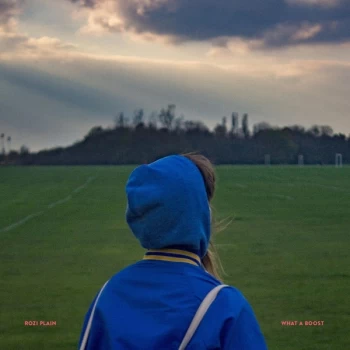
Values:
[(300, 160), (339, 160)]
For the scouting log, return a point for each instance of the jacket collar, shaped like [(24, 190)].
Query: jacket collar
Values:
[(173, 255)]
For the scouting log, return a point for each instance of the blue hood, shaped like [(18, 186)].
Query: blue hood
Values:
[(168, 205)]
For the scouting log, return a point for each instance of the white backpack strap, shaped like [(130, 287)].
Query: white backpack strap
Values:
[(203, 308), (87, 329)]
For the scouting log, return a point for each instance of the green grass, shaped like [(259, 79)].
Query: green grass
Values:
[(287, 249)]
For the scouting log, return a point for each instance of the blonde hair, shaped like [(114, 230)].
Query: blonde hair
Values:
[(211, 260)]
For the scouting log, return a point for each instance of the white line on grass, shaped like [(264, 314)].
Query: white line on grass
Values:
[(50, 206), (18, 223), (241, 186), (78, 189), (271, 194), (335, 188), (282, 196)]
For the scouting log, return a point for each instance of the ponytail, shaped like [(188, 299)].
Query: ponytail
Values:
[(211, 260)]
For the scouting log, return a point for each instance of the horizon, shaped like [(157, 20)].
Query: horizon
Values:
[(130, 124)]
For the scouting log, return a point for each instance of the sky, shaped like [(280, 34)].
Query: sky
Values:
[(69, 65)]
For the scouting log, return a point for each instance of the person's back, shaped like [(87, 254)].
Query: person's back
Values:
[(150, 304)]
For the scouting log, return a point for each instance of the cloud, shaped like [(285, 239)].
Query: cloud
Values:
[(86, 3), (9, 10), (13, 42), (268, 23), (10, 39)]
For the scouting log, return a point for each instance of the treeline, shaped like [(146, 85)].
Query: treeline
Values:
[(232, 141)]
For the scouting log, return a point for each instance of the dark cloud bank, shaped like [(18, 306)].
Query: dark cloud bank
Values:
[(275, 22)]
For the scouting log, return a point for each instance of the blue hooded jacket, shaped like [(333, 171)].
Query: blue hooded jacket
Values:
[(150, 304)]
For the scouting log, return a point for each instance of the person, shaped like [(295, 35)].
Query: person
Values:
[(150, 304)]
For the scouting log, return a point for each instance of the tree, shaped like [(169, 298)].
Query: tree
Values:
[(3, 143), (261, 127), (120, 120), (297, 128), (234, 123), (152, 120), (220, 131), (315, 130), (138, 118), (96, 130), (179, 123), (195, 126), (326, 130), (224, 122), (223, 126), (24, 150), (245, 126), (167, 116), (9, 144)]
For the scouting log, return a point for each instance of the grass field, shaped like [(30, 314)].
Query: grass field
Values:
[(63, 234)]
